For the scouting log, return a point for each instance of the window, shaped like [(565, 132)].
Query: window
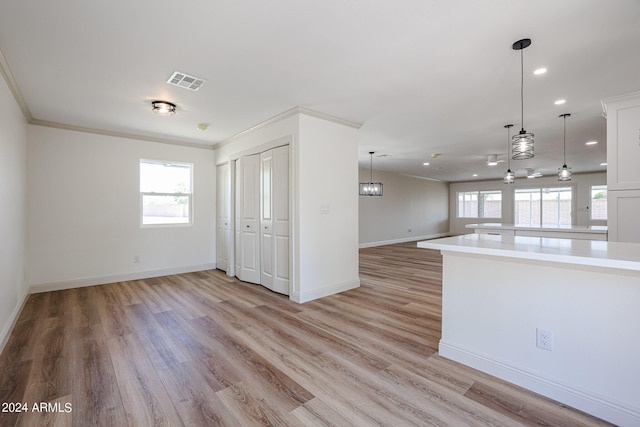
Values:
[(165, 192), (480, 204), (546, 207), (599, 202)]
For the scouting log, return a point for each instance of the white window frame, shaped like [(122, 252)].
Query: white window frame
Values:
[(591, 189), (540, 208), (479, 197), (189, 196)]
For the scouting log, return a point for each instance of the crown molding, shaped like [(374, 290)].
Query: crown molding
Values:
[(286, 114), (56, 125), (5, 70)]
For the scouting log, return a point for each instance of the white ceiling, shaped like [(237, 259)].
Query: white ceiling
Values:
[(423, 76)]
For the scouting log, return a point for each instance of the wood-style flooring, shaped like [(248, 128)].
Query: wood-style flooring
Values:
[(204, 349)]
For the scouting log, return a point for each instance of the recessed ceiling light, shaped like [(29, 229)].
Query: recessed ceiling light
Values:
[(163, 108), (425, 164), (540, 71), (475, 174), (560, 101), (202, 126), (591, 143), (603, 164)]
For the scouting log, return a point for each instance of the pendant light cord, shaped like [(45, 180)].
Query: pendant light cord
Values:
[(564, 140), (371, 168), (522, 87)]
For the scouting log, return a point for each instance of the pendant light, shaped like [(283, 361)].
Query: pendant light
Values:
[(522, 145), (564, 173), (371, 188), (509, 177)]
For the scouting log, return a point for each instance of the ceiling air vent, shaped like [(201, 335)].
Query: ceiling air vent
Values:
[(186, 81)]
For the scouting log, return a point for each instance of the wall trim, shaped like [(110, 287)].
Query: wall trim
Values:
[(403, 240), (13, 319), (588, 402), (102, 280), (300, 298), (285, 114)]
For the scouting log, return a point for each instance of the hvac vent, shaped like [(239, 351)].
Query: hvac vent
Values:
[(186, 81)]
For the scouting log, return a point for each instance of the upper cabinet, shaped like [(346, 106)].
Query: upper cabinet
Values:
[(623, 141)]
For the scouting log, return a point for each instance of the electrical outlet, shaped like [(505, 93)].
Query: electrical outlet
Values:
[(544, 339)]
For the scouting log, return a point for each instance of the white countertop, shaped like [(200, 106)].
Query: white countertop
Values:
[(619, 255), (597, 229)]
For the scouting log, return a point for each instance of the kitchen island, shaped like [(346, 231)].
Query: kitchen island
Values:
[(557, 316)]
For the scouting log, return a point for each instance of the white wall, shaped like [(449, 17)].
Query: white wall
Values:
[(84, 211), (327, 167), (324, 174), (410, 209), (13, 190), (582, 190)]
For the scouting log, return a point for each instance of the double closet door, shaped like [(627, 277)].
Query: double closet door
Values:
[(262, 219)]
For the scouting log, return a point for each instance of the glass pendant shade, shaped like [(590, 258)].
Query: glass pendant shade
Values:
[(564, 173), (522, 146), (509, 177), (371, 188)]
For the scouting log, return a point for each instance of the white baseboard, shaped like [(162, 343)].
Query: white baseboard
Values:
[(403, 240), (13, 318), (302, 297), (102, 280), (588, 402)]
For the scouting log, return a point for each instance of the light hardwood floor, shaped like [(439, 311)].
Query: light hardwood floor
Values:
[(204, 349)]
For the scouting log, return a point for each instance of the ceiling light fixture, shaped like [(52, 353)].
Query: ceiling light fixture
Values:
[(560, 101), (509, 177), (492, 160), (540, 71), (591, 143), (202, 126), (564, 173), (371, 188), (163, 108), (533, 174), (522, 145)]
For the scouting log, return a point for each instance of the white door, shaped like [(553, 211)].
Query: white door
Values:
[(274, 219), (280, 223), (266, 219), (222, 217), (249, 219)]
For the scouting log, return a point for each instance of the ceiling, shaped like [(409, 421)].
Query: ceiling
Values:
[(422, 77)]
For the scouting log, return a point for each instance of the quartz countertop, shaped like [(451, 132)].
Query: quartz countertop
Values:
[(618, 255)]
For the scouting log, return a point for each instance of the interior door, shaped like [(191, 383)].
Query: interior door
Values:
[(222, 217), (266, 218), (249, 219), (280, 222)]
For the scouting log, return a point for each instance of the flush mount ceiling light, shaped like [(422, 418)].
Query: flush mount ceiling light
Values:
[(163, 108), (509, 177), (371, 188), (492, 160), (533, 174), (564, 173), (522, 144)]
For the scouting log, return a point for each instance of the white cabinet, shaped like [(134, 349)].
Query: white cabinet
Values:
[(623, 171)]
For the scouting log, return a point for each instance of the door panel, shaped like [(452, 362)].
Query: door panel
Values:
[(249, 201), (222, 217)]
